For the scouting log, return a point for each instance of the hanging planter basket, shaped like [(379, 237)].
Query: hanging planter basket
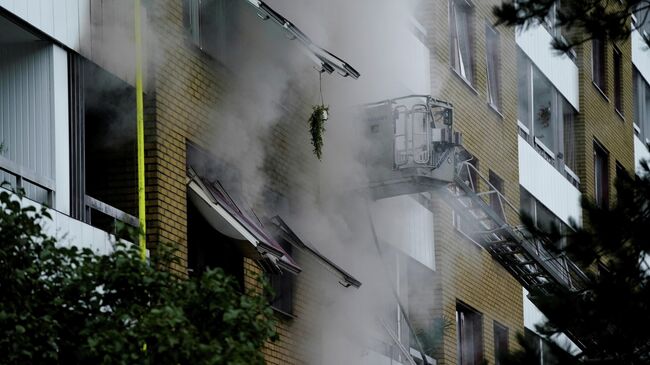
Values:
[(317, 121)]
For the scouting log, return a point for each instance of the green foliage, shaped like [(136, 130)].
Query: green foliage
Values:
[(64, 305), (610, 317), (581, 20), (317, 128)]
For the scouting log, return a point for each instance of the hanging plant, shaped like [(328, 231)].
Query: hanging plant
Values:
[(317, 127), (317, 121)]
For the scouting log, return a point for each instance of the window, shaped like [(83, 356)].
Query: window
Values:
[(493, 46), (208, 24), (469, 325), (598, 64), (282, 285), (618, 80), (641, 106), (548, 117), (495, 201), (551, 23), (500, 343), (601, 175), (641, 19), (461, 30)]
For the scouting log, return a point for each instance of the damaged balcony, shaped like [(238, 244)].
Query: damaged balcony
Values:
[(103, 156)]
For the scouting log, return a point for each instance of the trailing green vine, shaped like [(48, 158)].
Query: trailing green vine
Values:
[(317, 121), (317, 128)]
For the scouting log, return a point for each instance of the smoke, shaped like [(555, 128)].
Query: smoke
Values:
[(259, 125)]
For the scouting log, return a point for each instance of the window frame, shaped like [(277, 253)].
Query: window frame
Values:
[(499, 352), (617, 62), (464, 314), (455, 48), (495, 101), (499, 184), (601, 184), (599, 65)]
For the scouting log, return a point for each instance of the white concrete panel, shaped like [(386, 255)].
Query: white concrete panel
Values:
[(61, 130), (547, 185), (641, 55), (559, 69), (640, 153), (407, 225), (34, 12), (72, 20), (47, 16)]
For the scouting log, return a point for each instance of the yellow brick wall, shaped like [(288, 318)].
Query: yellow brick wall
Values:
[(184, 88), (599, 120), (467, 272)]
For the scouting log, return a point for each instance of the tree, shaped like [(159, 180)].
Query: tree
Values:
[(580, 20), (610, 317), (63, 305)]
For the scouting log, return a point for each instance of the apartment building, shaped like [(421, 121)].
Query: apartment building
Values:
[(498, 123)]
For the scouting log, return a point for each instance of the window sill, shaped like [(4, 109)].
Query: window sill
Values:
[(496, 110), (602, 93), (620, 115), (464, 80), (282, 314)]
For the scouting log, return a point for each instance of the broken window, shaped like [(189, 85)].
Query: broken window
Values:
[(618, 80), (500, 343), (462, 42), (598, 66), (282, 285), (469, 328), (492, 48), (601, 175), (103, 147), (27, 119)]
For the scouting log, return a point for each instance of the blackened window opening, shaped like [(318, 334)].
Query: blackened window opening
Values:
[(282, 285), (207, 248), (103, 154), (501, 343), (618, 80), (495, 200)]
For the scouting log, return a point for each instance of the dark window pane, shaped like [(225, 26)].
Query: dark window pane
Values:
[(601, 176), (598, 63), (569, 116), (492, 52), (618, 87), (523, 90), (501, 344), (470, 336), (495, 201), (544, 110)]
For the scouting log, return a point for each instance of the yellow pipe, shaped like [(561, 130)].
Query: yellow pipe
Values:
[(142, 217)]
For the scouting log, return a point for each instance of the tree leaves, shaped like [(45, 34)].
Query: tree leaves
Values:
[(62, 305)]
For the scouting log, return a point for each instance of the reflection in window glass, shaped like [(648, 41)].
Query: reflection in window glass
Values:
[(461, 39), (523, 90), (492, 52), (543, 110)]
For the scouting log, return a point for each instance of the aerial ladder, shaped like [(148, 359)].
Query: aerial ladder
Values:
[(412, 148)]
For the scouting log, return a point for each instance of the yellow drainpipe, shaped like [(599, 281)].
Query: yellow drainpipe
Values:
[(140, 132)]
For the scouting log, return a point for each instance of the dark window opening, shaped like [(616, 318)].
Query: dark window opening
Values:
[(495, 200), (618, 80), (598, 64), (282, 285), (103, 156), (601, 176), (469, 326), (207, 248), (462, 38), (501, 344)]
